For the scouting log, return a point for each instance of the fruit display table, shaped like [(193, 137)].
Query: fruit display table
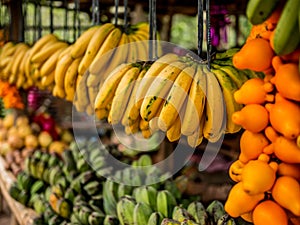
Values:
[(20, 214)]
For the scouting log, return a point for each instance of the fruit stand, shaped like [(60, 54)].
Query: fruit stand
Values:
[(111, 114)]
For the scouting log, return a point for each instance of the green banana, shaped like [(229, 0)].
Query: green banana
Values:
[(54, 220), (144, 160), (147, 195), (257, 11), (198, 212), (124, 190), (64, 208), (238, 77), (84, 213), (215, 210), (58, 190), (23, 197), (165, 203), (172, 187), (141, 213), (53, 160), (54, 174), (180, 214), (24, 180), (27, 163), (226, 54), (14, 190), (226, 220), (110, 197), (287, 34), (82, 165), (96, 202), (86, 176), (188, 222), (96, 218), (155, 218), (125, 210), (37, 187), (69, 161), (92, 187), (110, 220)]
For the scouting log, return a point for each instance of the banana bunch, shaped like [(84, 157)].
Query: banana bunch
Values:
[(174, 94), (286, 37)]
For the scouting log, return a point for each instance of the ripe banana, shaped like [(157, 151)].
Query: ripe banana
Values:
[(228, 89), (122, 95), (110, 42), (196, 138), (174, 132), (46, 52), (195, 103), (94, 46), (50, 64), (108, 88), (81, 95), (82, 42), (47, 79), (70, 79), (258, 11), (214, 125), (287, 35), (159, 89), (175, 99)]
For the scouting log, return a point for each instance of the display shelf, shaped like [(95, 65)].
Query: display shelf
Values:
[(21, 214)]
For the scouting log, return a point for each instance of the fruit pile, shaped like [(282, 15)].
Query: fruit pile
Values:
[(20, 137), (55, 65), (174, 94), (267, 171), (70, 190)]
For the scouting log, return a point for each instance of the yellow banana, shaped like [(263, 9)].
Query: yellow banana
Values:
[(159, 89), (107, 90), (94, 46), (50, 64), (93, 91), (214, 126), (70, 79), (143, 124), (147, 80), (228, 88), (146, 133), (127, 120), (133, 128), (20, 80), (111, 42), (132, 50), (81, 94), (195, 103), (153, 123), (176, 98), (5, 48), (18, 59), (61, 68), (38, 45), (109, 61), (102, 114), (122, 95), (82, 42), (141, 47), (174, 131), (41, 56), (48, 79), (196, 138)]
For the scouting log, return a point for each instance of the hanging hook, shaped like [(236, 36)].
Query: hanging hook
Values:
[(116, 11), (200, 27), (152, 29), (126, 15), (208, 34)]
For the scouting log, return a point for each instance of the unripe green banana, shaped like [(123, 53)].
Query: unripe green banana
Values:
[(110, 197), (64, 208), (165, 203), (167, 221), (124, 190), (92, 187), (141, 213), (188, 222), (198, 211), (180, 214), (84, 213), (144, 160), (96, 218), (125, 209), (215, 210), (147, 195), (226, 220), (258, 11), (287, 34), (155, 218), (111, 220)]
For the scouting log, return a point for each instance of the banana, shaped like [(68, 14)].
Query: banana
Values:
[(180, 214), (110, 42), (167, 221), (228, 88), (124, 190), (50, 64), (165, 203), (159, 89), (196, 138), (110, 197), (226, 54), (198, 212), (70, 79), (257, 11), (94, 46), (132, 55), (96, 218), (5, 49), (122, 95), (47, 79), (175, 99), (226, 220), (287, 35), (215, 111), (81, 96), (109, 62), (40, 43), (127, 120), (195, 103), (92, 187), (174, 132), (82, 42), (155, 219), (107, 90), (215, 210), (134, 127), (18, 59), (41, 56), (147, 195), (125, 210), (110, 220), (238, 77), (141, 213), (140, 46)]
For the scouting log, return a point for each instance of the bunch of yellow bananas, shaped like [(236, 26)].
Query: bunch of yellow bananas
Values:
[(174, 94)]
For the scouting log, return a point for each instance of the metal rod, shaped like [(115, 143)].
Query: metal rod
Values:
[(39, 20), (51, 17), (66, 33), (200, 27), (125, 15), (116, 11), (155, 30), (208, 38), (151, 29)]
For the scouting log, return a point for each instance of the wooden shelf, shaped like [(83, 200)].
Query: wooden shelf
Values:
[(23, 215)]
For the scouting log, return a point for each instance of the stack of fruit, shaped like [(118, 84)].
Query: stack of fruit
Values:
[(20, 137), (54, 65), (174, 94), (267, 171), (69, 190)]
